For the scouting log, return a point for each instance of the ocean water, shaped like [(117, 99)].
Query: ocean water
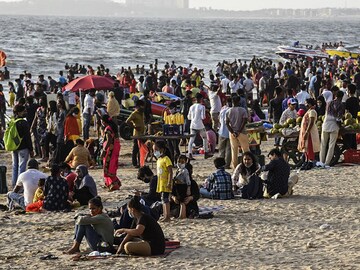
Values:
[(42, 45)]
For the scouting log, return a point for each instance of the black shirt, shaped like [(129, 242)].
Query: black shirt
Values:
[(352, 105), (23, 129), (152, 234), (278, 176), (275, 109)]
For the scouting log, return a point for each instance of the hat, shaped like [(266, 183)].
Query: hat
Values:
[(32, 164), (301, 112), (292, 101)]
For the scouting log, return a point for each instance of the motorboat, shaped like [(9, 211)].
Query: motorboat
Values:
[(342, 52), (303, 52)]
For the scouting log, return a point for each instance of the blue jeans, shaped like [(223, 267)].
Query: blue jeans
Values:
[(86, 127), (19, 159), (92, 237), (206, 194), (13, 197)]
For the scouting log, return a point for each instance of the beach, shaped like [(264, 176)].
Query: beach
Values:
[(316, 228)]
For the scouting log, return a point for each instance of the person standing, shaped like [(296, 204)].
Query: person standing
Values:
[(113, 107), (215, 104), (236, 119), (21, 155), (275, 109), (88, 111), (352, 106), (196, 115), (330, 129), (136, 121), (224, 136)]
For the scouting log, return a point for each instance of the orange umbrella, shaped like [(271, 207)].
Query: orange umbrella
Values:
[(2, 59), (90, 82)]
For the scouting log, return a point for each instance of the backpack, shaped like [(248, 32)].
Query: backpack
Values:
[(253, 190), (12, 138)]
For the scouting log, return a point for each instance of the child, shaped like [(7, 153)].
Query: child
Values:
[(165, 176), (182, 185), (38, 201), (12, 97)]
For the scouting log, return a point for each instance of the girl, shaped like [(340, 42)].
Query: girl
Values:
[(147, 238), (12, 95), (182, 185), (38, 201), (165, 176), (96, 228)]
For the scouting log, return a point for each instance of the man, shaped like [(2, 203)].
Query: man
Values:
[(219, 184), (88, 111), (196, 115), (215, 105), (352, 106), (137, 121), (302, 96), (236, 119), (28, 181), (21, 155), (275, 109), (356, 81), (290, 112), (225, 84), (248, 86), (62, 79), (278, 182), (19, 91), (235, 85), (224, 136)]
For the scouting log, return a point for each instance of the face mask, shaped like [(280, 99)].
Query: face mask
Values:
[(130, 215), (181, 165), (74, 114), (157, 154)]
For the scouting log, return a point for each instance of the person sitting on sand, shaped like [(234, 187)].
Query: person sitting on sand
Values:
[(218, 185), (28, 181), (39, 197), (182, 185), (79, 155), (244, 170), (96, 228), (146, 175), (146, 238), (56, 191), (84, 186), (69, 175), (278, 182)]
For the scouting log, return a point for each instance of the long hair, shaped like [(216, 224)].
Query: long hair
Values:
[(107, 119), (253, 167)]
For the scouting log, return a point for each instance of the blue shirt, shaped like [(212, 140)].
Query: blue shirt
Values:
[(220, 185)]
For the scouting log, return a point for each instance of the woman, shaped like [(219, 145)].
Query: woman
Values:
[(330, 129), (309, 141), (113, 107), (110, 153), (79, 155), (244, 170), (60, 120), (71, 127), (320, 106), (84, 186), (40, 123), (147, 238), (97, 228), (56, 191), (51, 128)]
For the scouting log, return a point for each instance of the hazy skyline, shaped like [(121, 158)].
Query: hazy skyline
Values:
[(263, 4)]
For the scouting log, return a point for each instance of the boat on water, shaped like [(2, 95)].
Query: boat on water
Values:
[(342, 52), (302, 52)]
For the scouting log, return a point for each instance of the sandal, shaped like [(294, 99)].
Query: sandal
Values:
[(49, 257)]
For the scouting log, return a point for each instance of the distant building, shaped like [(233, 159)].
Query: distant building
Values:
[(155, 4)]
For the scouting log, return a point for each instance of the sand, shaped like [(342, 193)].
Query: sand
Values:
[(261, 234)]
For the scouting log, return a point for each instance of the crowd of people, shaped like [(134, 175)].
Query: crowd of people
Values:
[(47, 121)]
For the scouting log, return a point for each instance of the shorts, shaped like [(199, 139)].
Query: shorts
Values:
[(165, 197)]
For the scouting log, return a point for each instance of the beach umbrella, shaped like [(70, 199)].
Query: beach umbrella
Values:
[(2, 59), (90, 82)]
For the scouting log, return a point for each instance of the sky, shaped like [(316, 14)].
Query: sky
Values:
[(262, 4)]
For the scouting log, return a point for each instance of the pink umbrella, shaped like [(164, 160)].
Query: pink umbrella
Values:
[(90, 82)]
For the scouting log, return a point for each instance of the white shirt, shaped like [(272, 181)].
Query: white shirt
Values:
[(224, 84), (197, 115), (88, 104), (345, 97), (140, 87), (302, 96), (215, 102), (235, 86), (327, 94), (72, 98), (29, 180), (248, 84)]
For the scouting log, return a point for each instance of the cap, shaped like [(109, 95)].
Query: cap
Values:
[(32, 164), (301, 112), (292, 101)]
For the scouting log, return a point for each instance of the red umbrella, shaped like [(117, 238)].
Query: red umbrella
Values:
[(2, 59), (90, 82)]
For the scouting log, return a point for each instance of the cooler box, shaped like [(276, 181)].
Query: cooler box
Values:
[(352, 156)]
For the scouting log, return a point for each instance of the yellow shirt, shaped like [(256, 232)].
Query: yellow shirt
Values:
[(162, 165), (39, 195), (79, 155), (137, 119)]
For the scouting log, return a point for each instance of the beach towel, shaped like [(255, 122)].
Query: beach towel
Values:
[(170, 246)]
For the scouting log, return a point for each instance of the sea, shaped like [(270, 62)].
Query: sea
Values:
[(42, 45)]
